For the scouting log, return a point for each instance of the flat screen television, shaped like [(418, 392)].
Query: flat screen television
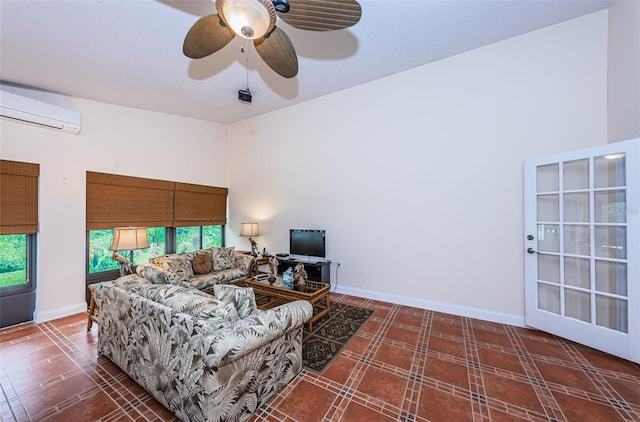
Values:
[(304, 242)]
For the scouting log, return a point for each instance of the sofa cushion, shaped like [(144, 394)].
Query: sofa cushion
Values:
[(223, 258), (175, 264), (242, 298), (203, 281), (156, 275), (202, 264)]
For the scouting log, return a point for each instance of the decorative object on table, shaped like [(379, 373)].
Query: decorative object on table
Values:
[(125, 264), (273, 269), (300, 275), (128, 239), (251, 229), (255, 20), (287, 278)]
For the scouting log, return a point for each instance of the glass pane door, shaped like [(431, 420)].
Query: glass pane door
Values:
[(578, 230)]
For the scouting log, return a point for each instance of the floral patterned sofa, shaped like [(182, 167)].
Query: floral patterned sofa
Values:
[(204, 357), (201, 269)]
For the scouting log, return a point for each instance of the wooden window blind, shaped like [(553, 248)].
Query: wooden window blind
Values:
[(114, 200), (18, 197), (197, 205)]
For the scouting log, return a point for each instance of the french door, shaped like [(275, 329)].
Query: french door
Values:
[(582, 242)]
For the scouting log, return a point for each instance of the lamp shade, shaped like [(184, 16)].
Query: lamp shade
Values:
[(129, 238), (249, 229)]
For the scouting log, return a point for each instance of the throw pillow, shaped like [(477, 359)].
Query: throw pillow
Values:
[(175, 264), (155, 275), (202, 264), (130, 281), (217, 314), (223, 258), (242, 298)]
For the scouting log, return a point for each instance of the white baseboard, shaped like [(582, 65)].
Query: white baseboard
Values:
[(40, 317), (483, 314)]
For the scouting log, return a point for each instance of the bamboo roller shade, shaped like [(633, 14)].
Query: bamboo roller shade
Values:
[(197, 205), (114, 201), (18, 197)]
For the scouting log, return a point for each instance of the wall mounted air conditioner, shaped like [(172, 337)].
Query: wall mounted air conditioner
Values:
[(36, 112)]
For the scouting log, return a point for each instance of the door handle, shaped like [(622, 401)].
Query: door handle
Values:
[(531, 250)]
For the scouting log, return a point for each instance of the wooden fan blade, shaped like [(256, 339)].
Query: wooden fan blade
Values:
[(278, 52), (322, 15), (205, 37)]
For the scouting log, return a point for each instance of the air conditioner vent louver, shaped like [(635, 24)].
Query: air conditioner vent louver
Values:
[(28, 110)]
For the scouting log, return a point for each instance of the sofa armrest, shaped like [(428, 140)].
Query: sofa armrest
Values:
[(244, 261), (242, 337)]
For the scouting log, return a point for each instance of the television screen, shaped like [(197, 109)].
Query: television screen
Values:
[(307, 242)]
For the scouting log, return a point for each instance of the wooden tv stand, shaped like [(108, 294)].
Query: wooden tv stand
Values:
[(316, 271)]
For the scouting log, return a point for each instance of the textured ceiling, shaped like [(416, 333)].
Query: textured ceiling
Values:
[(130, 52)]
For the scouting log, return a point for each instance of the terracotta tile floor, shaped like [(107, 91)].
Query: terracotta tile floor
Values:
[(405, 364)]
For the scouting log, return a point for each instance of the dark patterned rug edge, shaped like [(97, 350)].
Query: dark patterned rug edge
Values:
[(331, 334)]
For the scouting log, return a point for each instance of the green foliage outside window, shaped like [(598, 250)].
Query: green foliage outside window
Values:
[(211, 236), (13, 259), (100, 255), (188, 238), (157, 246)]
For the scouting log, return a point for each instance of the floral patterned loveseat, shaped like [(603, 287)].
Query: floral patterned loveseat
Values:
[(204, 357), (201, 269)]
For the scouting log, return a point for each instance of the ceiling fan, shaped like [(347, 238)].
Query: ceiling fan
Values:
[(256, 20)]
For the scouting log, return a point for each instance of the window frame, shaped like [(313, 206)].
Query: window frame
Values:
[(31, 269)]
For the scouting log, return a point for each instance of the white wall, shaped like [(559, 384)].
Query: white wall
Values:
[(624, 71), (116, 140), (417, 177)]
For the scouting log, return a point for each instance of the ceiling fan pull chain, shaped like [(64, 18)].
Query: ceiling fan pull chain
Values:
[(281, 6), (247, 57)]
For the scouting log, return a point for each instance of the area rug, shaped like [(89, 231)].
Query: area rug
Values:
[(330, 335)]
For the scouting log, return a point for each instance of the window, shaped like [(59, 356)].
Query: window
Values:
[(18, 237), (13, 260), (212, 236), (185, 217), (198, 237), (186, 239), (100, 255)]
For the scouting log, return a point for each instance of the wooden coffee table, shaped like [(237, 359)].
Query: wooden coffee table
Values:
[(270, 295)]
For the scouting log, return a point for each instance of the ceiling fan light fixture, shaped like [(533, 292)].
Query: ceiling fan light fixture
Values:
[(249, 19)]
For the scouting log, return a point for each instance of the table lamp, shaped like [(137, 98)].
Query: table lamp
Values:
[(251, 229), (128, 239)]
